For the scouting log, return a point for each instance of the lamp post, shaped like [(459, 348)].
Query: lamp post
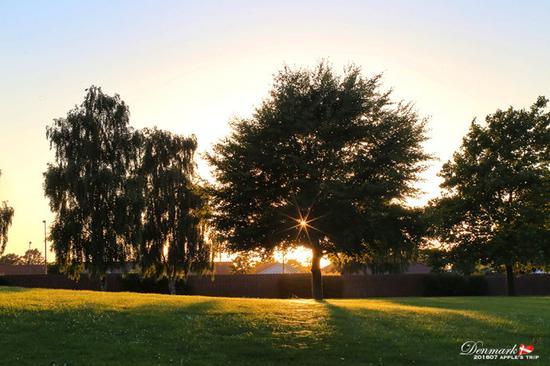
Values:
[(45, 250)]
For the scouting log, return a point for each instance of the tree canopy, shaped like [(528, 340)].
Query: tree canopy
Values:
[(495, 206), (122, 195), (326, 161), (32, 256), (11, 258), (175, 211), (86, 185), (6, 217)]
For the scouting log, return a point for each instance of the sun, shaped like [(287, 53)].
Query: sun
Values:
[(303, 223)]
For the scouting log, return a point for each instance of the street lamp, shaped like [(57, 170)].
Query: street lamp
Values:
[(45, 249)]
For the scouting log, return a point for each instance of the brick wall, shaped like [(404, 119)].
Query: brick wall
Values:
[(290, 285), (359, 286), (21, 269), (528, 285)]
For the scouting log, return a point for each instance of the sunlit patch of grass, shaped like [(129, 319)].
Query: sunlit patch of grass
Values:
[(406, 310), (92, 328)]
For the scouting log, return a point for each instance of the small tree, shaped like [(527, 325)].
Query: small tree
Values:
[(32, 256), (436, 258), (297, 265), (346, 264), (326, 161), (243, 264), (174, 219), (496, 188), (6, 217), (87, 185), (11, 258)]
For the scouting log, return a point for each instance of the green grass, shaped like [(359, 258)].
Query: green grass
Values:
[(38, 327)]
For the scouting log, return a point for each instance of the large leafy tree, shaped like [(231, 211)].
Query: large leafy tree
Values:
[(175, 211), (326, 162), (495, 206), (6, 217), (87, 184)]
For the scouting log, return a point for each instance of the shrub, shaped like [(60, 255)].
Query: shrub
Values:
[(133, 282), (448, 284), (477, 286), (53, 268)]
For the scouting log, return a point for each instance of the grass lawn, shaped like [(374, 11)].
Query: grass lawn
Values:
[(43, 327)]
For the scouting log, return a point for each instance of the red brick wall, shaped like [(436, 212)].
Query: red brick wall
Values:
[(60, 282), (262, 285), (528, 285), (359, 286), (10, 269), (235, 285), (291, 285)]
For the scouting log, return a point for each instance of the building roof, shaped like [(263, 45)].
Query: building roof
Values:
[(274, 268), (330, 269), (411, 269), (418, 268), (222, 268)]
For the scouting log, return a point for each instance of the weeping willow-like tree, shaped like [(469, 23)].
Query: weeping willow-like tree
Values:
[(6, 217), (87, 185), (120, 194), (174, 218)]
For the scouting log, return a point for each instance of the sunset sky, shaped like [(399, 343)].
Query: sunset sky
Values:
[(190, 66)]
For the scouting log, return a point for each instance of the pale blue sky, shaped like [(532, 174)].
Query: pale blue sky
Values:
[(191, 66)]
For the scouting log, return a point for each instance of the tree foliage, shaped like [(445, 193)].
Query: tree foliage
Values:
[(244, 263), (326, 162), (297, 265), (32, 256), (10, 258), (452, 260), (123, 195), (175, 211), (6, 217), (495, 207), (87, 184)]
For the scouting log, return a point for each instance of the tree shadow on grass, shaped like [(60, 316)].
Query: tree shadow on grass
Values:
[(409, 335), (229, 331), (153, 331), (119, 329), (98, 334), (4, 289), (504, 306)]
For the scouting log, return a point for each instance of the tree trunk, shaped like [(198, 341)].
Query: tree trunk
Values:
[(510, 280), (172, 286), (316, 279)]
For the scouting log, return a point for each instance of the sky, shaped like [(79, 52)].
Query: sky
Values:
[(190, 67)]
